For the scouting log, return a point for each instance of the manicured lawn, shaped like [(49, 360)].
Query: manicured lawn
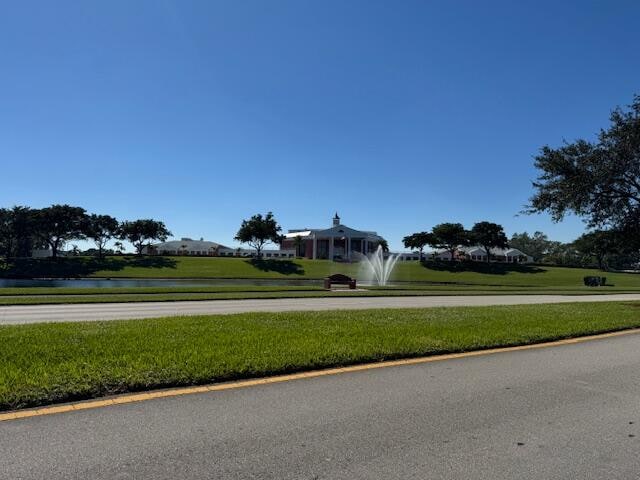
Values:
[(210, 267), (411, 278), (46, 363)]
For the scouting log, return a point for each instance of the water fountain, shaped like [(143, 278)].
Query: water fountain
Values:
[(376, 268)]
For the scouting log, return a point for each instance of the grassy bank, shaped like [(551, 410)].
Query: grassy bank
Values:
[(46, 363), (211, 267)]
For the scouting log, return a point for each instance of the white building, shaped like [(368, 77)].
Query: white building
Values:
[(479, 254), (336, 243), (203, 248)]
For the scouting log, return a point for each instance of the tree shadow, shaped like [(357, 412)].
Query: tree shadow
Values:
[(482, 267), (75, 267), (285, 267)]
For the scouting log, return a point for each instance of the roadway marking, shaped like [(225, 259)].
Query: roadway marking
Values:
[(176, 392)]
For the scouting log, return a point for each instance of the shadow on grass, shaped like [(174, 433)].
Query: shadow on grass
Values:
[(480, 267), (285, 267), (74, 267)]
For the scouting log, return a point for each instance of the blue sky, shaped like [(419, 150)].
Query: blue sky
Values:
[(399, 115)]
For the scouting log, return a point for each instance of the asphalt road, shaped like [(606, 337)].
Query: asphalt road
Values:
[(18, 314), (555, 413)]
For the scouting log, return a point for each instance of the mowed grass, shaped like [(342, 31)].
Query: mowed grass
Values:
[(47, 363), (239, 268), (409, 278)]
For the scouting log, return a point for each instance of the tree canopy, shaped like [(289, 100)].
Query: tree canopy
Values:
[(488, 235), (141, 233), (57, 224), (101, 229), (599, 244), (537, 245), (599, 181), (258, 231), (417, 241), (449, 236)]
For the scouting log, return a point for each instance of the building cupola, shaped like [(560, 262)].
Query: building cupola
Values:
[(336, 220)]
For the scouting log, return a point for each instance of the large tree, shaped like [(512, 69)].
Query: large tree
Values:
[(141, 233), (258, 231), (449, 237), (417, 241), (599, 181), (58, 224), (101, 229), (488, 235)]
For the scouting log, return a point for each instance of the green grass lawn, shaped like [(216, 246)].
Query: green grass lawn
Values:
[(412, 278), (216, 267), (47, 363)]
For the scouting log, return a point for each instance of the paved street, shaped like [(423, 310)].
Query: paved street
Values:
[(111, 311), (554, 413)]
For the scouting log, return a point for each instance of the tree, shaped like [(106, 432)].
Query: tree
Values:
[(258, 231), (488, 235), (16, 232), (599, 244), (101, 229), (417, 241), (384, 244), (118, 247), (142, 232), (58, 224), (449, 237), (536, 245), (597, 181)]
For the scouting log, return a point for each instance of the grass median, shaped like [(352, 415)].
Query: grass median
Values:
[(34, 296), (57, 362)]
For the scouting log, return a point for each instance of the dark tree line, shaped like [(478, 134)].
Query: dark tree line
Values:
[(23, 229), (451, 236)]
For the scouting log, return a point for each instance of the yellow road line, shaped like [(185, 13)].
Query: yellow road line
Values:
[(175, 392)]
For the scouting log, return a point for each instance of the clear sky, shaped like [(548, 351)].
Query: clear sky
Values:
[(397, 114)]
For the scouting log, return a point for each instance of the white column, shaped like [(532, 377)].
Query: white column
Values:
[(330, 248), (315, 248)]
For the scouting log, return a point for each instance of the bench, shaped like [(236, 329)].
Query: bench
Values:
[(339, 279)]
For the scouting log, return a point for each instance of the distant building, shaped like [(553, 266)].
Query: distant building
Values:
[(479, 254), (338, 242), (203, 248), (187, 246)]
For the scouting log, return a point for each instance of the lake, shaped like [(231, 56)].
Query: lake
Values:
[(150, 282)]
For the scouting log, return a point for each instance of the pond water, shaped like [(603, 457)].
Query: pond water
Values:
[(150, 282)]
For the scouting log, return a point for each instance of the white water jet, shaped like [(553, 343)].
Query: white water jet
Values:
[(377, 268)]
